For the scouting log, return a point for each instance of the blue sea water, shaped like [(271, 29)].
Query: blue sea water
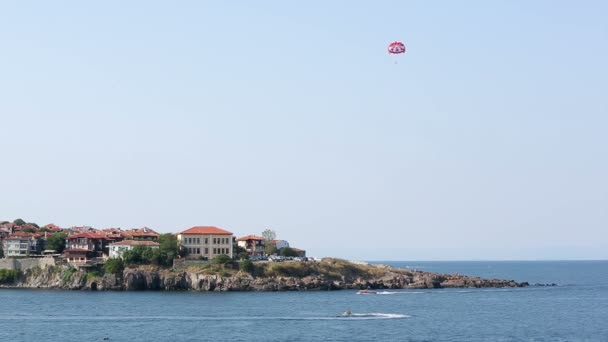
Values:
[(575, 310)]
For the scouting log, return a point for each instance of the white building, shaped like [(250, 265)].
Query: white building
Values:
[(21, 245), (206, 241), (280, 243), (118, 248)]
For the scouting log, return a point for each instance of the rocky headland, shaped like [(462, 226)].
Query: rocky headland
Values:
[(328, 274)]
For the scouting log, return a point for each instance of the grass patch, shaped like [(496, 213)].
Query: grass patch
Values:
[(334, 269), (68, 275), (8, 276), (92, 276)]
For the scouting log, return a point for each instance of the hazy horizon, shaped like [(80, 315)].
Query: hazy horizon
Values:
[(486, 140)]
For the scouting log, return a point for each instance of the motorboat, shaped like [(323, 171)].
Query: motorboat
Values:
[(367, 292)]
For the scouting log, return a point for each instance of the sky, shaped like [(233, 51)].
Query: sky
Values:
[(487, 140)]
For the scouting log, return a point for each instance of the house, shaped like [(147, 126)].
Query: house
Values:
[(280, 243), (8, 226), (254, 245), (118, 248), (52, 227), (301, 252), (22, 244), (5, 232), (84, 247), (141, 234), (113, 234), (206, 241)]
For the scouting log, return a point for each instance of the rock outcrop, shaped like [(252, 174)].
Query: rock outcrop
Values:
[(330, 274)]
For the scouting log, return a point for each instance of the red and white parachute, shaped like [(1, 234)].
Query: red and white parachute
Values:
[(396, 48)]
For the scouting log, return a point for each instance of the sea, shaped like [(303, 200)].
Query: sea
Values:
[(576, 309)]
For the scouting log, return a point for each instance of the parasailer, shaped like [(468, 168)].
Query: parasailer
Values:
[(396, 48)]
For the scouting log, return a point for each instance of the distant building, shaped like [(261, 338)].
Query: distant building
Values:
[(206, 241), (118, 248), (5, 232), (52, 227), (22, 244), (280, 243), (83, 247), (254, 245), (113, 234), (142, 234), (301, 252)]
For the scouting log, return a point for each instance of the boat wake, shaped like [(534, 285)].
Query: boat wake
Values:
[(353, 316), (400, 292), (374, 316)]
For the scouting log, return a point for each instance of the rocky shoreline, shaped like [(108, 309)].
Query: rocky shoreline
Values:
[(329, 274)]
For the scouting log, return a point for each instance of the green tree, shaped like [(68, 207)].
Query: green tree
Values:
[(43, 230), (19, 222), (56, 242), (288, 252), (237, 250), (1, 249), (270, 248), (243, 256), (28, 230), (246, 266), (222, 259), (114, 266), (33, 224), (160, 258), (8, 276), (269, 235), (138, 255), (131, 257), (168, 245)]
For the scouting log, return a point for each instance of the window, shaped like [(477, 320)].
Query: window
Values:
[(206, 250), (215, 251), (198, 251), (198, 241), (206, 241)]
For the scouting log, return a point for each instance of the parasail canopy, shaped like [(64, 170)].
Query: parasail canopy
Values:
[(396, 48)]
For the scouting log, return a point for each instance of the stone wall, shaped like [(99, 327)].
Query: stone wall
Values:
[(26, 263), (7, 263)]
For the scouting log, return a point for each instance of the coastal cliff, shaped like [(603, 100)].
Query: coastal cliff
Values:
[(329, 274)]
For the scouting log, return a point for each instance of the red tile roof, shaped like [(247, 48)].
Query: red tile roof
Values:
[(87, 235), (145, 231), (52, 227), (206, 230), (250, 237), (135, 242), (22, 234)]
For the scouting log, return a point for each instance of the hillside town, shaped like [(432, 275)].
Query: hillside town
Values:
[(86, 246)]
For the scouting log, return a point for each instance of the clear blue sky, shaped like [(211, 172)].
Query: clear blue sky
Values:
[(488, 139)]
